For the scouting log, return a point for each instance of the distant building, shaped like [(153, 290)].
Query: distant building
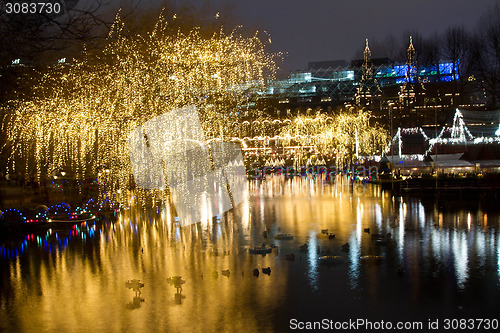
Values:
[(409, 93), (471, 143)]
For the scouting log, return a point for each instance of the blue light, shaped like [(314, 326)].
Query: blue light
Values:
[(446, 68), (401, 70)]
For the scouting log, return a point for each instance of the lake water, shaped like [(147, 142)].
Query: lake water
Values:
[(442, 261)]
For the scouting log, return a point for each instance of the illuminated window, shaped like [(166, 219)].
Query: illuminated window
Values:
[(401, 70), (446, 68)]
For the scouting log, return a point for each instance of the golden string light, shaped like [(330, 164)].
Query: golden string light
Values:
[(81, 114), (342, 135)]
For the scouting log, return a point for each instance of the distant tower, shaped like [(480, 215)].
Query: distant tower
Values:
[(411, 74), (412, 87), (368, 85)]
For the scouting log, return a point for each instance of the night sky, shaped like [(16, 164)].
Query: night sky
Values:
[(316, 30)]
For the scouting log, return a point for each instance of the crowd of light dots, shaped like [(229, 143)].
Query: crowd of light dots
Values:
[(82, 114), (62, 208), (15, 211), (328, 135)]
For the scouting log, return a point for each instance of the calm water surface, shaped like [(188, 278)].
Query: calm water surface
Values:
[(441, 262)]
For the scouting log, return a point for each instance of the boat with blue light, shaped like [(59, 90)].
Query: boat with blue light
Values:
[(72, 218)]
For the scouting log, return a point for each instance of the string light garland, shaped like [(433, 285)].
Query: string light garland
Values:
[(339, 136), (81, 114)]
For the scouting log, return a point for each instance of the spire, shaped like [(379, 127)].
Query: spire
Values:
[(367, 68), (411, 49), (413, 88), (367, 54), (368, 85), (412, 70)]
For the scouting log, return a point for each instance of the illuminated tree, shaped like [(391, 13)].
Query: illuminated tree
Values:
[(83, 112), (348, 136)]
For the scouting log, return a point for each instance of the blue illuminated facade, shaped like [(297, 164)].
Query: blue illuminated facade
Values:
[(409, 94), (343, 81)]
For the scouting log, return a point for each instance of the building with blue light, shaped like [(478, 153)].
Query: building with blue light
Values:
[(335, 82), (410, 93)]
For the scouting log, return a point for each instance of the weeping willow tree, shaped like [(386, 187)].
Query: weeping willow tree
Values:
[(82, 113), (348, 135)]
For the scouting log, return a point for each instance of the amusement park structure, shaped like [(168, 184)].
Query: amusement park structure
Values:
[(415, 103)]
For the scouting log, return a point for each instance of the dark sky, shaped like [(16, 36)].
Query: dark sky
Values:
[(316, 30)]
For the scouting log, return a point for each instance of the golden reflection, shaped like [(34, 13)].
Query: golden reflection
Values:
[(84, 279)]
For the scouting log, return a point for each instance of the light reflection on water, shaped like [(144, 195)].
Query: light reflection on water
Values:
[(401, 231), (498, 264), (440, 262), (354, 247), (312, 258), (460, 251)]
